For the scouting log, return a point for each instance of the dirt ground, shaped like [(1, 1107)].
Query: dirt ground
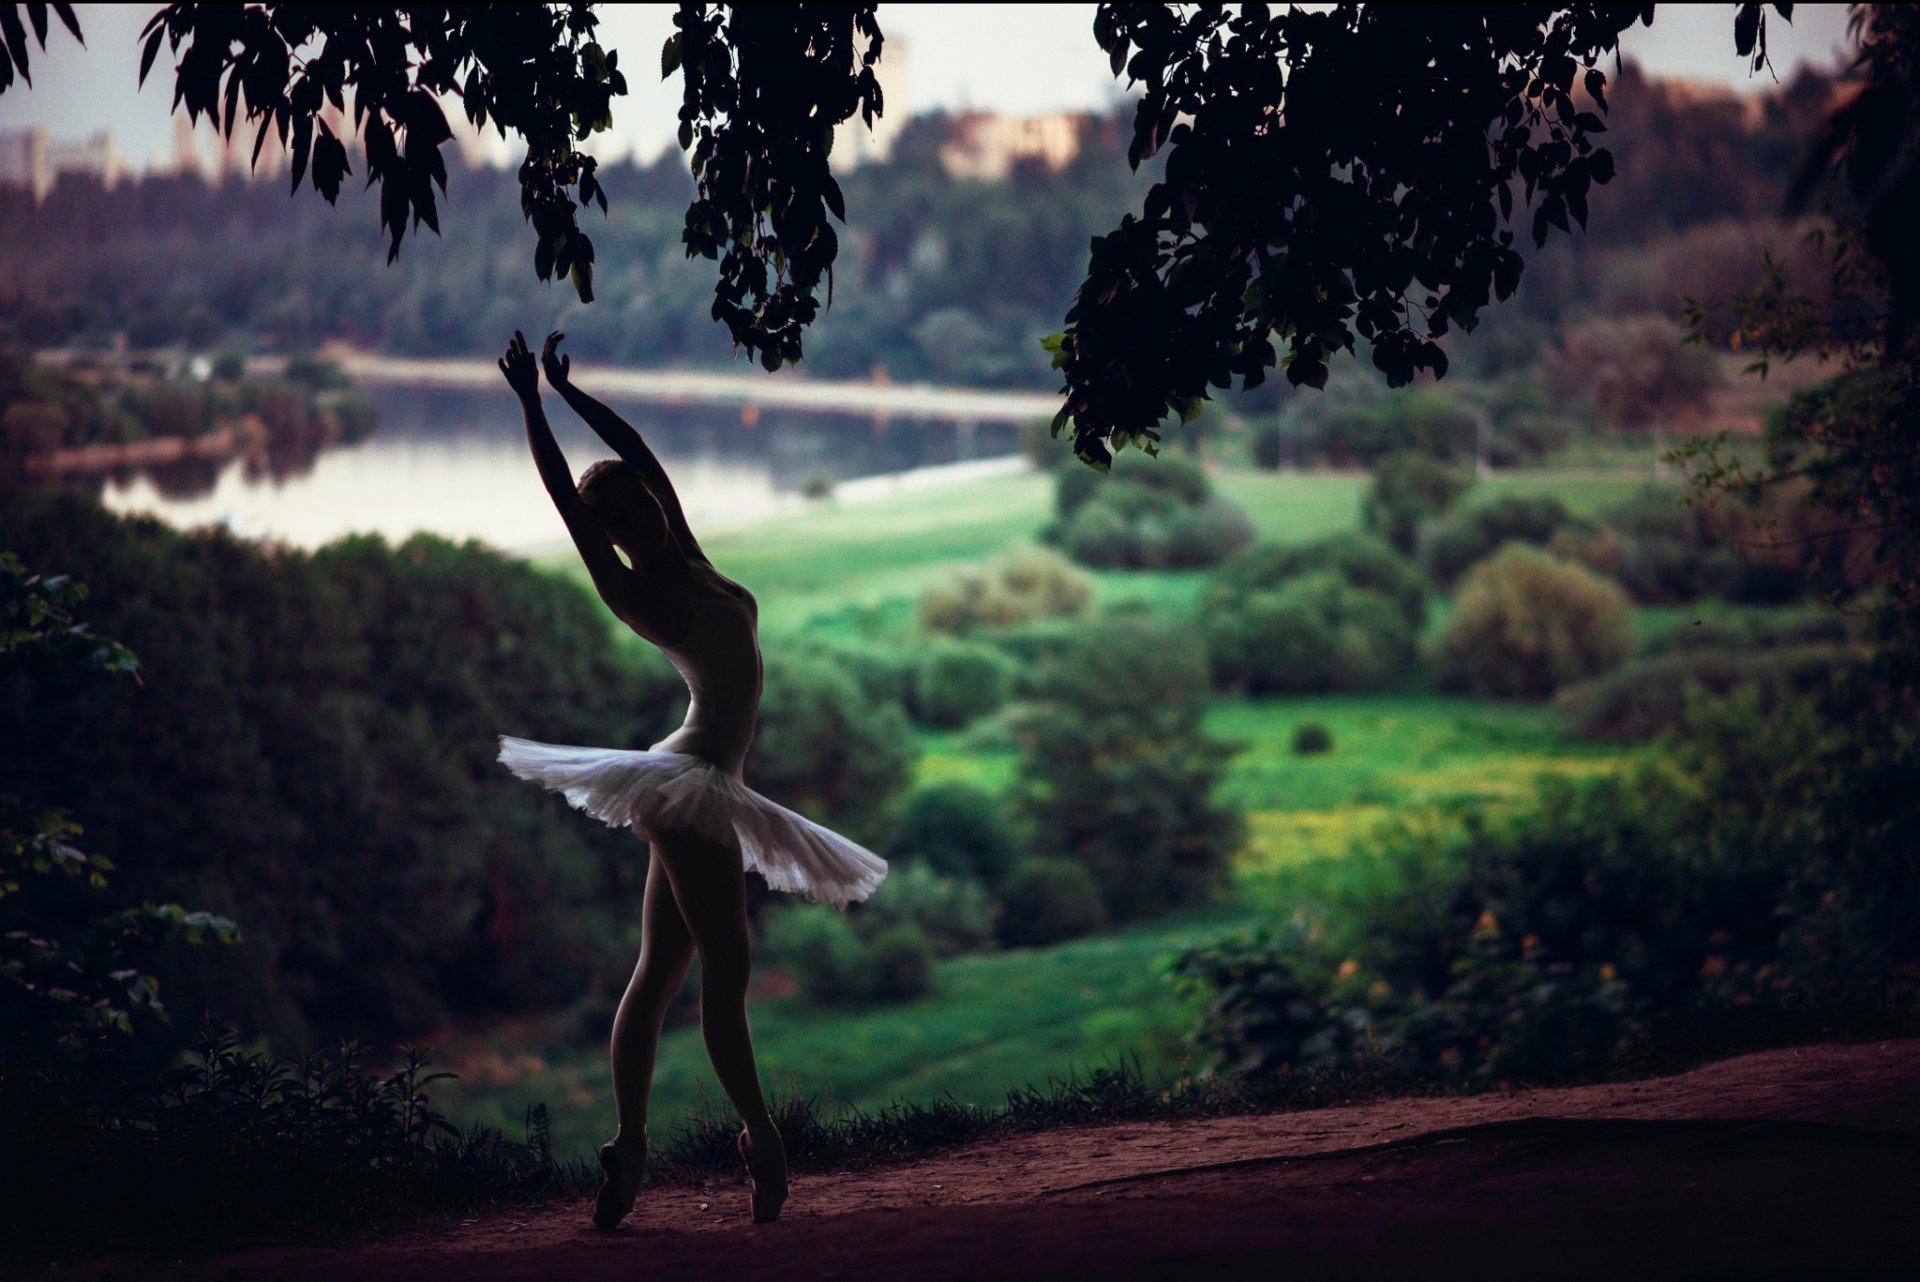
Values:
[(1789, 1164)]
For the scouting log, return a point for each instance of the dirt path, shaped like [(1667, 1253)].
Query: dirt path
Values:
[(1787, 1164)]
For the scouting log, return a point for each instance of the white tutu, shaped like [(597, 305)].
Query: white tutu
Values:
[(678, 792)]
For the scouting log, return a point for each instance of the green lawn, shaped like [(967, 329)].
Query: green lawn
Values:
[(994, 1020)]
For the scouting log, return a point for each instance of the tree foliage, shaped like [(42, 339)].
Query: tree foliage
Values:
[(14, 60), (765, 87), (1855, 438), (291, 70), (1330, 177)]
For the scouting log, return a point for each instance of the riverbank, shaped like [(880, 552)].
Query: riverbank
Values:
[(696, 387)]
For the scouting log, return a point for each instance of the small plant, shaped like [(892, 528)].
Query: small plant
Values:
[(1311, 739), (1526, 623), (959, 830), (1050, 900), (900, 964), (959, 681), (1025, 586)]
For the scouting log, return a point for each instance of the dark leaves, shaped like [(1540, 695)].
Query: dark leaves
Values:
[(764, 88), (533, 69), (1331, 179)]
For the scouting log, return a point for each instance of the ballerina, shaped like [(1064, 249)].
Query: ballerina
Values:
[(684, 795)]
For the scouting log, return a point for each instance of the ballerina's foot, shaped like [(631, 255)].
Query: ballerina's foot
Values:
[(767, 1176), (622, 1167)]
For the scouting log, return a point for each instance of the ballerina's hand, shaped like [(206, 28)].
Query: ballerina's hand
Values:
[(522, 376), (558, 367)]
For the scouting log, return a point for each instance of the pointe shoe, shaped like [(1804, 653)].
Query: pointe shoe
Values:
[(769, 1187), (620, 1176)]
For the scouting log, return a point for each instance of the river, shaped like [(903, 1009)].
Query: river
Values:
[(449, 456)]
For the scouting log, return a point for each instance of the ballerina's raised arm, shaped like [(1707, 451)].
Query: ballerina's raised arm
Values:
[(622, 439), (646, 603)]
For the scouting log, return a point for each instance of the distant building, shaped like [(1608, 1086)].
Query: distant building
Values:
[(94, 157), (986, 146), (23, 160), (29, 159)]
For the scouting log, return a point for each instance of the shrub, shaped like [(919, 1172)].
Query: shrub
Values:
[(1312, 635), (1100, 536), (1022, 587), (1146, 513), (900, 964), (1649, 697), (1311, 739), (884, 673), (1526, 623), (1047, 901), (825, 750), (1525, 425), (1360, 429), (819, 948), (957, 681), (1635, 370), (1464, 538), (1199, 537), (1362, 560), (1663, 550), (1408, 490), (958, 830), (1766, 872), (956, 913), (1115, 772)]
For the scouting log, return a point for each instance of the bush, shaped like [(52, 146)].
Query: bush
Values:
[(825, 750), (1100, 536), (1362, 560), (1526, 623), (900, 964), (957, 681), (1198, 537), (1146, 514), (1047, 901), (1022, 587), (1464, 538), (884, 673), (343, 705), (1649, 697), (1312, 635), (1311, 739), (1663, 551), (1766, 874), (1115, 772), (1635, 371), (1409, 490), (1360, 429), (958, 830), (819, 948), (956, 913)]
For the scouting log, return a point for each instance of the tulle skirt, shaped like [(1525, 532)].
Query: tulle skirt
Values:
[(653, 792)]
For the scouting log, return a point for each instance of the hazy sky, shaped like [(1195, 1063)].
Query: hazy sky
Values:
[(1018, 60)]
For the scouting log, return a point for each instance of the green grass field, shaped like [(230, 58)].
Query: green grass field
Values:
[(999, 1020)]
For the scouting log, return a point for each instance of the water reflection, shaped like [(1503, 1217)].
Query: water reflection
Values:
[(455, 462)]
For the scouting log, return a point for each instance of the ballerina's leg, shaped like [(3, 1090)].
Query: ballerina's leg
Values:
[(666, 953), (710, 885)]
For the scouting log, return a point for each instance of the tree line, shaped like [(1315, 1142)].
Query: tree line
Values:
[(943, 278)]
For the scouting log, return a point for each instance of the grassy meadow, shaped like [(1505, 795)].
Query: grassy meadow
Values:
[(1008, 1018)]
